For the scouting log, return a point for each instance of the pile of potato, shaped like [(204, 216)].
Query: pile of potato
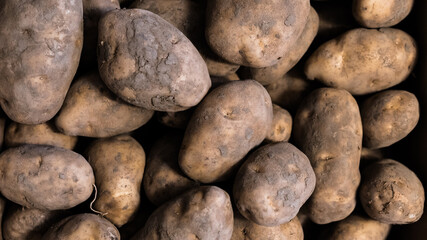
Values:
[(206, 119)]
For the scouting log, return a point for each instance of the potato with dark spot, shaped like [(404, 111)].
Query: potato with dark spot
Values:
[(391, 193), (45, 177), (273, 183), (356, 227), (282, 125), (231, 120), (328, 129), (388, 117)]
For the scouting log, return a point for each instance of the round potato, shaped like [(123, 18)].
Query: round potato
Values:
[(357, 227), (282, 125)]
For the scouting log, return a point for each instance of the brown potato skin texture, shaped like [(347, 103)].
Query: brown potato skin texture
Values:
[(363, 61), (118, 164), (281, 127), (201, 213), (356, 227), (45, 177), (172, 76), (273, 183), (92, 110), (328, 129), (388, 117), (82, 227), (42, 134), (230, 121), (40, 52), (391, 193)]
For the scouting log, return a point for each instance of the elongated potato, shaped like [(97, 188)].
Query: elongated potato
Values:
[(281, 127), (357, 227), (45, 177), (328, 129)]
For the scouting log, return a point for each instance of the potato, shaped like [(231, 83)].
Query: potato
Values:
[(2, 127), (149, 63), (363, 61), (81, 227), (381, 13), (40, 51), (231, 120), (175, 119), (92, 110), (201, 213), (357, 227), (45, 177), (388, 117), (391, 193), (163, 179), (254, 33), (282, 125), (42, 134), (328, 129), (118, 164)]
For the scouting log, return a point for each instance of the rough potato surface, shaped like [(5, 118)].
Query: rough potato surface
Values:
[(281, 127), (356, 227)]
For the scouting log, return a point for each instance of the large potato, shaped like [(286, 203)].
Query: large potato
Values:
[(45, 177), (226, 125), (41, 42), (328, 129), (149, 63), (356, 227)]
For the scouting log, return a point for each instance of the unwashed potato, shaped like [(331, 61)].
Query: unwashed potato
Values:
[(40, 51), (42, 134), (388, 117), (202, 213), (273, 183), (363, 61), (356, 227), (149, 63), (229, 122), (82, 227), (175, 119), (328, 129), (281, 127), (45, 177), (92, 110), (391, 193), (118, 164)]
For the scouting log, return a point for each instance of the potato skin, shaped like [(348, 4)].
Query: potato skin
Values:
[(388, 117), (45, 177), (31, 33), (281, 127), (328, 129), (391, 193), (226, 125), (118, 164), (356, 227), (173, 76), (363, 61)]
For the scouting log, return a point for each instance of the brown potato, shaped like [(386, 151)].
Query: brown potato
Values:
[(2, 128), (175, 119), (45, 177), (226, 125), (357, 227), (39, 55), (281, 127), (118, 164), (391, 193), (388, 117), (328, 129)]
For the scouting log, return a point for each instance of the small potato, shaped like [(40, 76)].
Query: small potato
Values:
[(282, 125), (118, 164), (42, 134), (388, 117), (175, 119), (391, 193), (201, 213), (92, 110), (231, 120), (82, 227), (45, 177), (363, 61), (273, 183), (359, 228)]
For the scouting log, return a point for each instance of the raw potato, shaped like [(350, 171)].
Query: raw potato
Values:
[(2, 127), (391, 193), (273, 183), (45, 177), (82, 227), (381, 13), (363, 61), (230, 121), (175, 119), (149, 63), (92, 110), (359, 228), (118, 164), (42, 134), (282, 125), (40, 51), (201, 213), (388, 117), (328, 129)]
